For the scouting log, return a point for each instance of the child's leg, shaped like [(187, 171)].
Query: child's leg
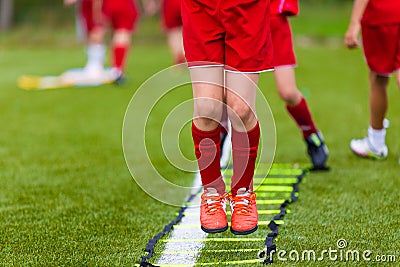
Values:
[(295, 102), (297, 107), (96, 49), (378, 100), (208, 97), (207, 86), (374, 145), (378, 107), (120, 48), (241, 97), (175, 43)]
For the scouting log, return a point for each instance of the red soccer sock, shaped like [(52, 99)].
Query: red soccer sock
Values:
[(301, 114), (120, 53), (244, 154), (207, 150)]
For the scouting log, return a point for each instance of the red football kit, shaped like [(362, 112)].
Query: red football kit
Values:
[(381, 36), (232, 33), (121, 14)]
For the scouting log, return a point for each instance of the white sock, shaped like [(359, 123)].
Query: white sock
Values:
[(376, 137), (96, 54)]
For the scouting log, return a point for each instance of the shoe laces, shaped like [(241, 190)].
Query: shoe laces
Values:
[(213, 201), (242, 202)]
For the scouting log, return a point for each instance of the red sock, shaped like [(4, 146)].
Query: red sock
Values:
[(120, 53), (301, 114), (207, 150), (244, 154)]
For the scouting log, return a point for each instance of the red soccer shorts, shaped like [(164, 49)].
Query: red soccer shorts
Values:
[(382, 48), (232, 33), (121, 14), (171, 14), (282, 42)]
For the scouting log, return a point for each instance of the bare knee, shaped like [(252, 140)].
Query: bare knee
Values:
[(240, 114), (122, 37), (96, 36), (291, 96), (207, 113), (378, 81)]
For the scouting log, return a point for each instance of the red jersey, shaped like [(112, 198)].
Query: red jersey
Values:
[(380, 12)]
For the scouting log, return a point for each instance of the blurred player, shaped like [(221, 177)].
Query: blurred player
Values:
[(172, 24), (379, 22), (284, 63), (223, 52), (96, 15)]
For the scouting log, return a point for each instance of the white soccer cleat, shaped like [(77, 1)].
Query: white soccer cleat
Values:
[(363, 148)]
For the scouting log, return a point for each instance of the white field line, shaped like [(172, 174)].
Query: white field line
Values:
[(186, 233)]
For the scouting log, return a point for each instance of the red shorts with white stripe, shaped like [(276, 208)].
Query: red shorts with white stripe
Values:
[(171, 14), (282, 42), (121, 14), (234, 33), (382, 48)]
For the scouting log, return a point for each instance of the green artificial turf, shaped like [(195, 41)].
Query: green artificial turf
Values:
[(67, 197)]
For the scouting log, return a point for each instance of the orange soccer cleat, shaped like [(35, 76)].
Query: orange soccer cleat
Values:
[(244, 212), (213, 211)]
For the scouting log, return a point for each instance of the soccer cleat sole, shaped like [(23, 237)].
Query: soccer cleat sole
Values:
[(214, 231), (235, 232)]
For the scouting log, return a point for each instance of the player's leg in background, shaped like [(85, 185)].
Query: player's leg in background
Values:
[(378, 101), (374, 145), (297, 107), (96, 51), (174, 39), (296, 104), (120, 46), (172, 24), (123, 16), (93, 22)]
